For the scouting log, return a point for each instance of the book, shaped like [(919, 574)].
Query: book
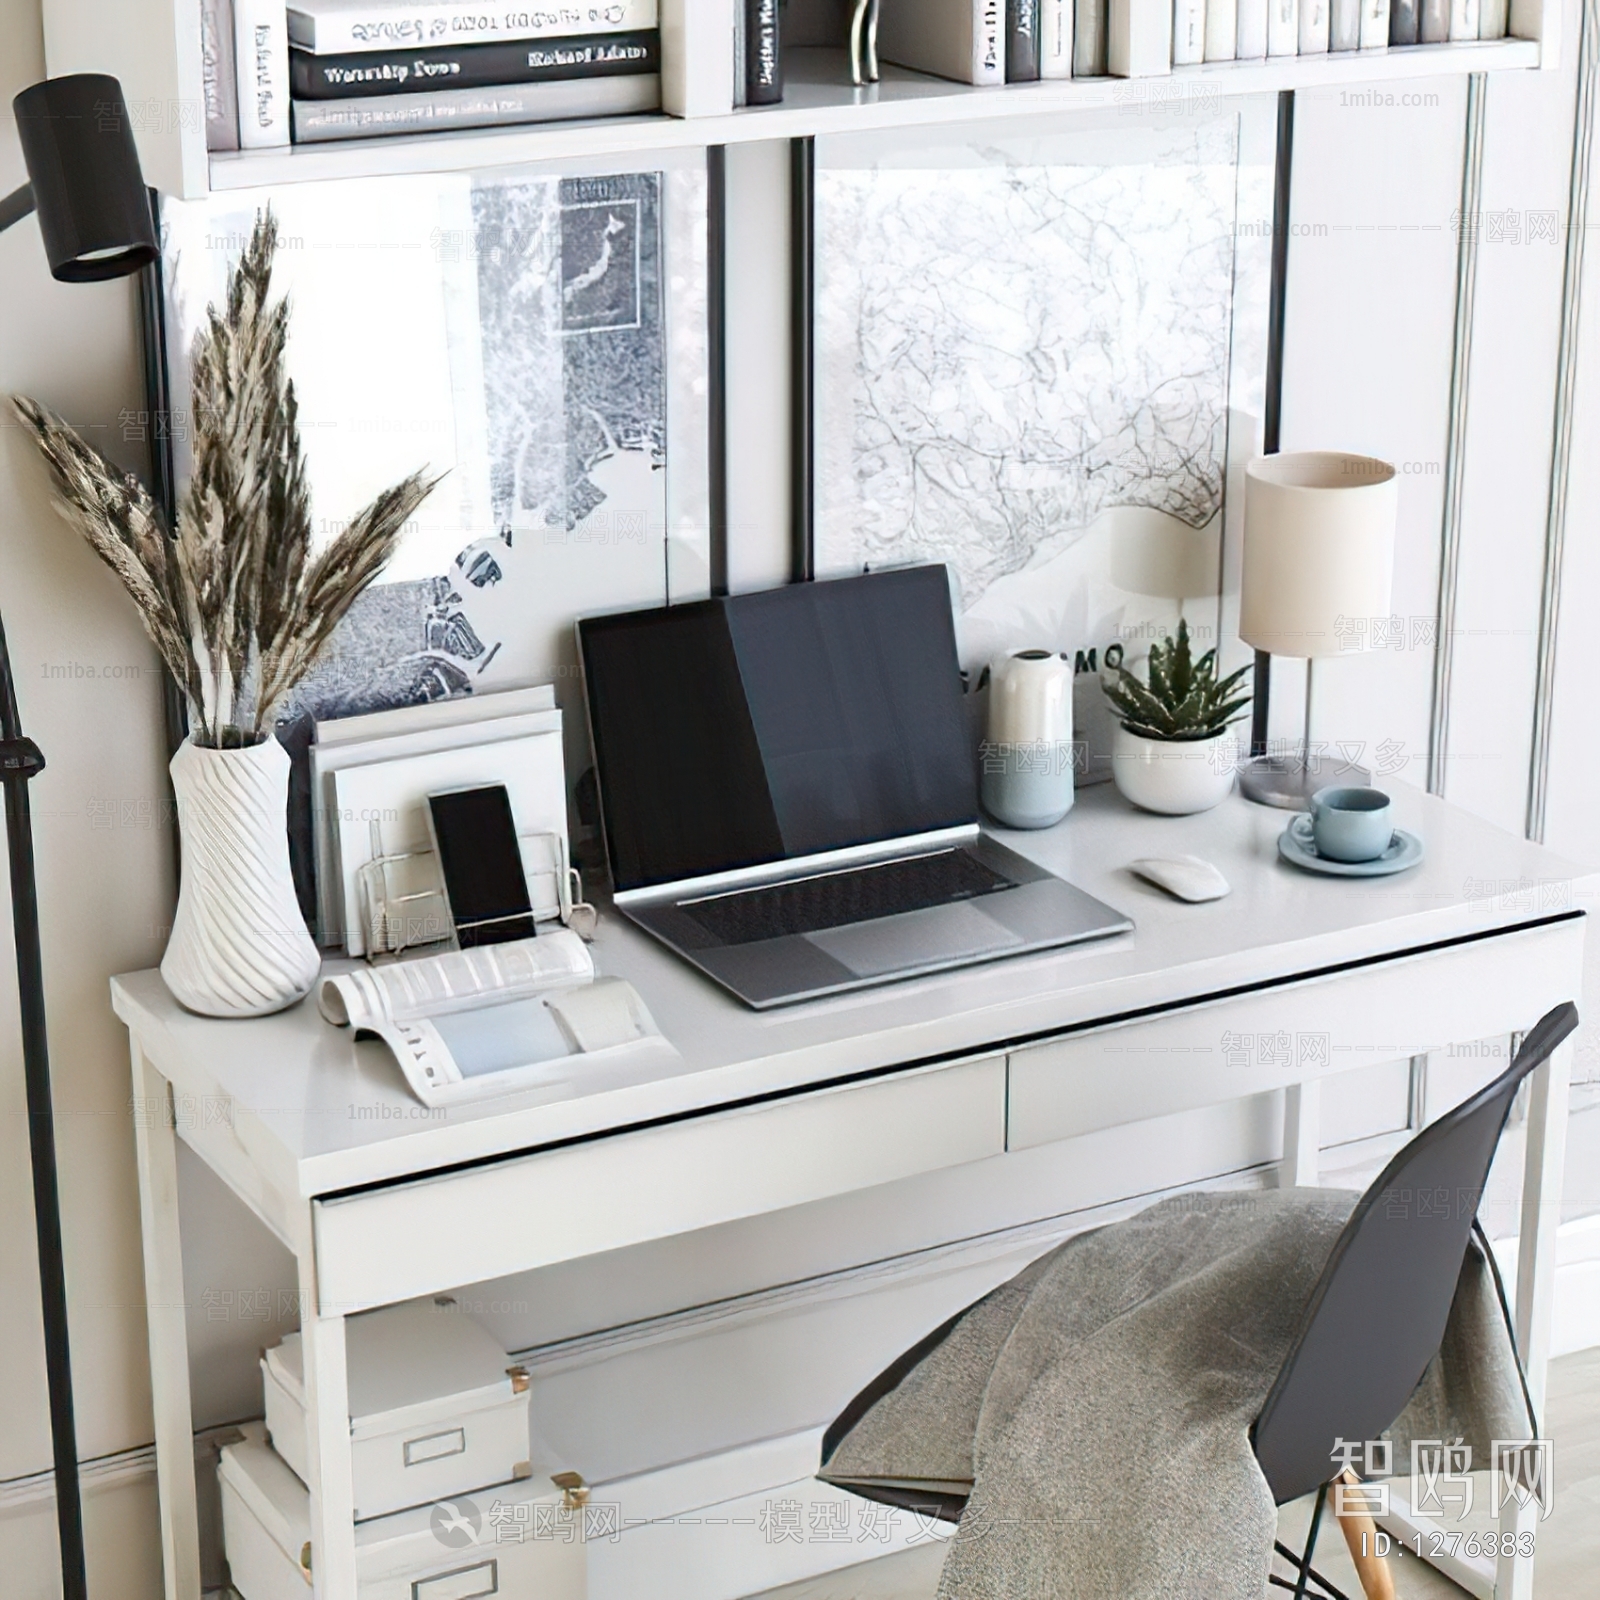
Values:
[(1344, 24), (963, 40), (1251, 41), (1433, 26), (1222, 30), (441, 109), (1494, 18), (470, 66), (1188, 32), (468, 1023), (219, 80), (1055, 39), (1022, 41), (1089, 39), (1138, 38), (343, 27), (1313, 27), (1375, 24), (1463, 19), (1283, 28), (763, 53), (740, 55), (1403, 20), (261, 65)]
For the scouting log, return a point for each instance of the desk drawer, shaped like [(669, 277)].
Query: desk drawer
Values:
[(529, 1211), (1269, 1038)]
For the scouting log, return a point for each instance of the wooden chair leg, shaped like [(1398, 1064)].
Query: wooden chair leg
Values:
[(1360, 1534)]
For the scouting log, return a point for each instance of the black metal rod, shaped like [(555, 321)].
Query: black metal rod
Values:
[(1311, 1543), (1272, 404), (802, 248), (21, 762), (717, 359), (15, 206)]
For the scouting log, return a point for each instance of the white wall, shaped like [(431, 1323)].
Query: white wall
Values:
[(1369, 355)]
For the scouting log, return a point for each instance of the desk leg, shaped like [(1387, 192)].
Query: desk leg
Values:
[(1536, 1277), (333, 1539), (155, 1141), (1302, 1129)]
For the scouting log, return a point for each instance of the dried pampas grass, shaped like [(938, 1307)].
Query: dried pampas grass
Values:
[(236, 604)]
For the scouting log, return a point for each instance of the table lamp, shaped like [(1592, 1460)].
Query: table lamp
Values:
[(1318, 561), (1162, 557), (96, 222)]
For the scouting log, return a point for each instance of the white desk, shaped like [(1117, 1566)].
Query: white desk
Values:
[(1290, 979)]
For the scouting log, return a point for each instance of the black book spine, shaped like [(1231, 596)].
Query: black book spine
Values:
[(471, 66), (1022, 41), (763, 53)]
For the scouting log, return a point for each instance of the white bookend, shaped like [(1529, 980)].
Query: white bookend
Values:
[(1222, 30), (1188, 32), (958, 39), (1251, 44), (1055, 39), (1138, 38), (1313, 27), (1283, 28), (261, 53), (1494, 17), (1344, 24), (1464, 19), (1374, 24)]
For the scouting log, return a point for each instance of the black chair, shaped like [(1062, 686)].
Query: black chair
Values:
[(1349, 1373)]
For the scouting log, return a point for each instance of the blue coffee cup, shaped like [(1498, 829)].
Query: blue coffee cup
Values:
[(1350, 824)]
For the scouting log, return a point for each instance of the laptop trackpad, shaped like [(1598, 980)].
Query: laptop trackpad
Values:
[(914, 939)]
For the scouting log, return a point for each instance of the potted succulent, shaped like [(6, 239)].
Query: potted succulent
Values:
[(239, 604), (1174, 750)]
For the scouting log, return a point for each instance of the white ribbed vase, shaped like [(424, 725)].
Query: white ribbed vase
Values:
[(239, 946)]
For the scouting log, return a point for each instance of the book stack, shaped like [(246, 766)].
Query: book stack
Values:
[(1021, 41), (349, 69)]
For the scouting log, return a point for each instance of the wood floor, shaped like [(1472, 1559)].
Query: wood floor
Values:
[(1566, 1567)]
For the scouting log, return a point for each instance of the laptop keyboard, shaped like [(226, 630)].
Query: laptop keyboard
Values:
[(851, 894)]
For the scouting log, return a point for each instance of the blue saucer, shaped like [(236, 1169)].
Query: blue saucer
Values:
[(1297, 846)]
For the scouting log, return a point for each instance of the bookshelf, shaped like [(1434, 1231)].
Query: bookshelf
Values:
[(153, 46)]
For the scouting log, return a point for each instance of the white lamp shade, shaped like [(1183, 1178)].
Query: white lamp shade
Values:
[(1318, 551), (1159, 555)]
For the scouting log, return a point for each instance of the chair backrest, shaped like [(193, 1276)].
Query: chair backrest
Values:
[(1377, 1315)]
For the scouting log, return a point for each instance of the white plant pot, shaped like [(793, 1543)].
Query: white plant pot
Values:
[(239, 946), (1174, 776)]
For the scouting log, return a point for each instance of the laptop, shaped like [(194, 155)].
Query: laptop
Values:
[(789, 791)]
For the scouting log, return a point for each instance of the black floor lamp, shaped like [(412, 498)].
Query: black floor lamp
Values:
[(95, 217)]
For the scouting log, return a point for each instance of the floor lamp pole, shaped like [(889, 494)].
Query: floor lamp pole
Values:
[(20, 760)]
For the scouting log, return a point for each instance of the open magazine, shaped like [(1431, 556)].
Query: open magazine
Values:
[(487, 1021)]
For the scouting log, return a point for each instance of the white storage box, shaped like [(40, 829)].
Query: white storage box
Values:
[(515, 1541), (436, 1408)]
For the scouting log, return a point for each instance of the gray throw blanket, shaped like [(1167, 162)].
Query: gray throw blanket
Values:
[(1099, 1404)]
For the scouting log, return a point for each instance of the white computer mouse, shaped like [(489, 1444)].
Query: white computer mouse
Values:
[(1186, 877)]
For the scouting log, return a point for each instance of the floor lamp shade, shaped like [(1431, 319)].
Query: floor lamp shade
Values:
[(94, 209), (1318, 551)]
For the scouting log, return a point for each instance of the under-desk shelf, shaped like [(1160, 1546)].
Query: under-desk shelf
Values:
[(818, 99)]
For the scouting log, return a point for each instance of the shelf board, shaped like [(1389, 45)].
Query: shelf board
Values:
[(819, 99)]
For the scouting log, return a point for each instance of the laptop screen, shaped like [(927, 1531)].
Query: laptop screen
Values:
[(765, 726)]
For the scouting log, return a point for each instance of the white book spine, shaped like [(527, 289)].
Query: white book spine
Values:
[(1188, 32), (1344, 24), (1138, 38), (1313, 27), (1464, 19), (1089, 39), (1494, 18), (1374, 24), (988, 41), (338, 29), (1283, 28), (1055, 39), (1251, 44), (261, 54), (1222, 30)]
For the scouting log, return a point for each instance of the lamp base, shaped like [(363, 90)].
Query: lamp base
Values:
[(1288, 780)]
